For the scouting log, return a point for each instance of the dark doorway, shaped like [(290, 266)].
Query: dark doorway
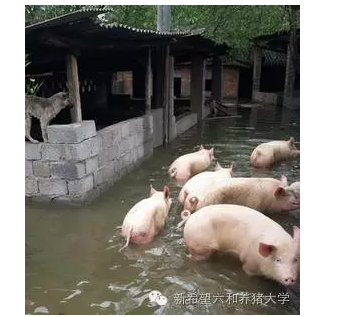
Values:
[(177, 87), (245, 83)]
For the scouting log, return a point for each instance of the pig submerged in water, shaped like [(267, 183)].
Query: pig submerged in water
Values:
[(263, 194), (147, 218), (296, 188), (203, 179), (267, 154), (261, 244), (185, 166)]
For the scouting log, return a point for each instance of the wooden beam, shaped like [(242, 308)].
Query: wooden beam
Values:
[(73, 87), (148, 83), (49, 74)]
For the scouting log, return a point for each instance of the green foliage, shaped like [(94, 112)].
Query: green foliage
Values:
[(27, 62), (143, 16), (235, 25), (31, 86)]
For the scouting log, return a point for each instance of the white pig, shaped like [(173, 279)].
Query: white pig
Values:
[(263, 194), (187, 165), (261, 244), (266, 154), (203, 179), (147, 218)]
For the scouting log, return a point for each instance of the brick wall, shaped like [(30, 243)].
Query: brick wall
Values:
[(78, 163), (230, 82), (125, 80), (230, 79), (185, 82)]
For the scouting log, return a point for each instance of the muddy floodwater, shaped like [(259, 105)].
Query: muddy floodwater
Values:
[(72, 260)]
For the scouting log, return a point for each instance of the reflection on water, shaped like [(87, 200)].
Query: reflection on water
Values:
[(72, 263)]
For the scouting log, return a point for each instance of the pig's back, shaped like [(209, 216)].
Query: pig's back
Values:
[(142, 210), (239, 225), (241, 191), (281, 150), (202, 179)]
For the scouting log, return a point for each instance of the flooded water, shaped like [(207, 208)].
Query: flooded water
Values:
[(72, 263)]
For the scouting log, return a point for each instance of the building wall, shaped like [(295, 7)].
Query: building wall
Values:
[(78, 162)]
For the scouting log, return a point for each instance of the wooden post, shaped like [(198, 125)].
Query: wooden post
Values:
[(256, 71), (291, 59), (198, 86), (148, 83), (73, 88), (171, 123), (289, 76), (166, 96), (158, 78), (217, 68)]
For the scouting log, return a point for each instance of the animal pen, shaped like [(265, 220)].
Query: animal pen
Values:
[(110, 130)]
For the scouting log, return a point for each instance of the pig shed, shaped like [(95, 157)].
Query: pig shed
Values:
[(107, 133), (277, 44)]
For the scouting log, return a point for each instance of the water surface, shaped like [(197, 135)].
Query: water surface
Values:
[(72, 263)]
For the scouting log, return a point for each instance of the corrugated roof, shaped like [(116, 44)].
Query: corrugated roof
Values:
[(274, 36), (149, 31), (87, 13), (272, 58), (81, 31), (277, 41), (66, 18)]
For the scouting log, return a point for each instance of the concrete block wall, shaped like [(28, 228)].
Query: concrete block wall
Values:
[(230, 82), (78, 163), (186, 122), (269, 98)]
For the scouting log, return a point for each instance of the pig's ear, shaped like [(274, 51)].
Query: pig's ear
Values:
[(166, 192), (283, 179), (296, 233), (231, 167), (280, 191), (201, 147), (218, 167), (266, 249), (291, 142), (211, 151), (152, 190)]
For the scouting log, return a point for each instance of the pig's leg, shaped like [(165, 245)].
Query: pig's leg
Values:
[(250, 266), (249, 269), (199, 255)]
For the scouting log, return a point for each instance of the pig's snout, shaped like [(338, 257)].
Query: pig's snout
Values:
[(289, 281)]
